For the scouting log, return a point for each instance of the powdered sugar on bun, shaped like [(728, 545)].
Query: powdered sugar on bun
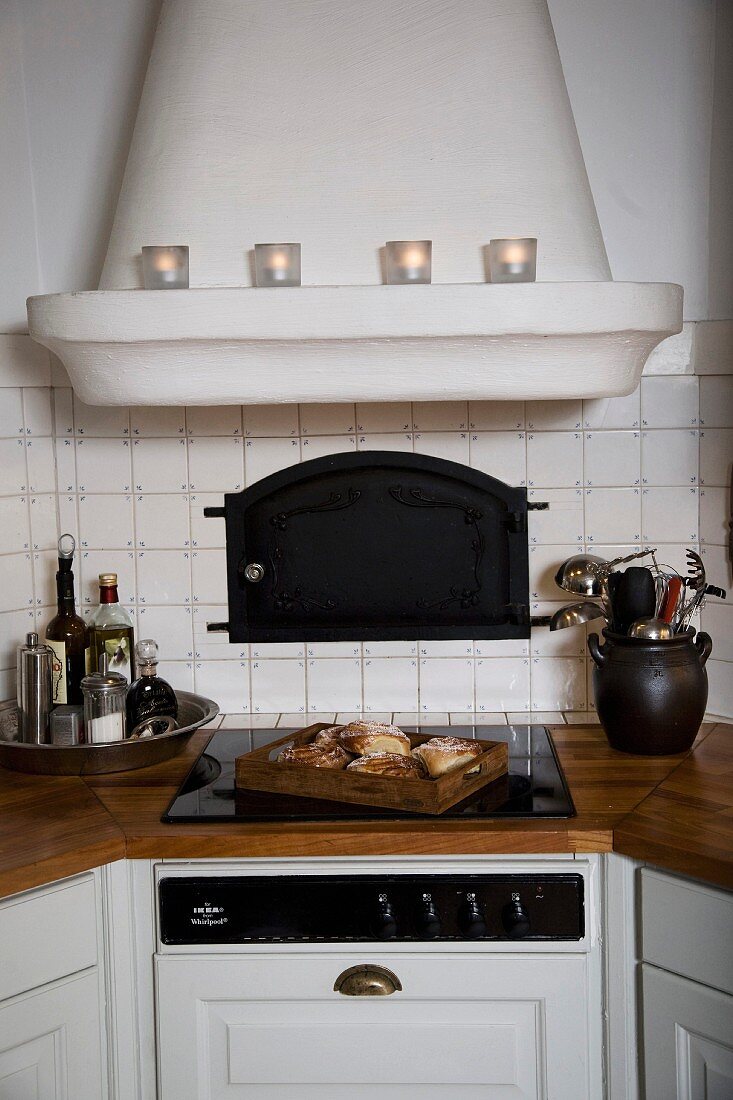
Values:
[(372, 737), (389, 764), (443, 754), (314, 756)]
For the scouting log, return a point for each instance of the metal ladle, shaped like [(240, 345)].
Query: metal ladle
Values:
[(575, 614)]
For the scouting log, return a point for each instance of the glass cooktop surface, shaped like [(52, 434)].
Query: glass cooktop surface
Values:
[(535, 786)]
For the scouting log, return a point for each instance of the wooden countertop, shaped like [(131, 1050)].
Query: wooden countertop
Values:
[(56, 827)]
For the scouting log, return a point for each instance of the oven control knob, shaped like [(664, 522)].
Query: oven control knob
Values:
[(472, 919), (385, 925), (515, 919), (428, 919)]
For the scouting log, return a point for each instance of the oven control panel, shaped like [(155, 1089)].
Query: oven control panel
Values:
[(398, 908)]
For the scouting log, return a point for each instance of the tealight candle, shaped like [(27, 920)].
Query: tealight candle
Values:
[(277, 264), (513, 260), (165, 267), (409, 261)]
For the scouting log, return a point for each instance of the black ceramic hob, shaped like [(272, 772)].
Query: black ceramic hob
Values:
[(534, 788)]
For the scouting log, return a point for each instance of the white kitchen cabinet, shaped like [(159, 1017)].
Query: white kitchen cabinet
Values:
[(50, 1042), (51, 1008), (480, 1026)]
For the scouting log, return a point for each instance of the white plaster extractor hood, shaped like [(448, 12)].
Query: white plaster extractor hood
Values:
[(342, 124)]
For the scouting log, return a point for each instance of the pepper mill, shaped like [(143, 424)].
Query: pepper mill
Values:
[(35, 690)]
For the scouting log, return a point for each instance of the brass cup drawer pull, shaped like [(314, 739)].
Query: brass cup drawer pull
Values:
[(367, 981)]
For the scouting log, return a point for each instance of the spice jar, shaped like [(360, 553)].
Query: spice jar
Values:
[(104, 705)]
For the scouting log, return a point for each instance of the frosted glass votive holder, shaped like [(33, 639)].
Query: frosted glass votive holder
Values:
[(277, 264), (409, 261), (165, 267), (513, 260)]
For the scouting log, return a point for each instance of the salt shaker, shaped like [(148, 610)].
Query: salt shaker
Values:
[(35, 690), (104, 705)]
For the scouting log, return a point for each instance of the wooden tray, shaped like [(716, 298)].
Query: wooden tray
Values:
[(260, 771)]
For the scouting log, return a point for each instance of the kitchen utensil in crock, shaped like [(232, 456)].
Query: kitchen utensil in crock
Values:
[(636, 597), (654, 630), (650, 695), (581, 574), (575, 614), (672, 597), (696, 571)]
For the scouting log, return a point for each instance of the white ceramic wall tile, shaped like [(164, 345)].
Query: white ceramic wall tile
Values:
[(14, 625), (390, 683), (669, 515), (334, 684), (544, 562), (63, 412), (558, 683), (399, 441), (103, 465), (562, 522), (612, 458), (502, 683), (453, 446), (447, 684), (105, 521), (263, 457), (159, 465), (8, 689), (557, 643), (90, 563), (275, 651), (23, 362), (537, 717), (714, 347), (613, 412), (41, 465), (581, 718), (205, 531), (717, 620), (554, 459), (720, 680), (204, 420), (37, 411), (501, 454), (13, 470), (496, 416), (214, 645), (719, 570), (44, 523), (16, 590), (278, 686), (716, 456), (171, 627), (179, 674), (100, 420), (317, 446), (669, 402), (716, 401), (162, 521), (333, 649), (157, 421), (15, 526), (216, 465), (612, 515), (270, 420), (501, 647), (390, 649), (384, 416), (164, 576), (68, 519), (209, 579), (446, 647), (669, 457), (714, 515), (440, 416), (11, 413), (318, 419), (484, 719), (544, 416), (66, 465), (226, 682)]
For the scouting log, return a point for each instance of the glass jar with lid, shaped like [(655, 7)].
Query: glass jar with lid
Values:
[(104, 705)]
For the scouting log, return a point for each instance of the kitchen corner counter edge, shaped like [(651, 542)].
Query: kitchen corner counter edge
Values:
[(672, 811)]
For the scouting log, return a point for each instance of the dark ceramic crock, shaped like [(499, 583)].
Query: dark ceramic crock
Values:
[(650, 696)]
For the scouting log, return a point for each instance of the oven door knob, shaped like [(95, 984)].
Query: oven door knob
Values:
[(515, 919), (428, 919), (471, 918), (254, 572), (385, 925)]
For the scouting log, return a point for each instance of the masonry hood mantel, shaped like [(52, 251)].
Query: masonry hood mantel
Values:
[(342, 124)]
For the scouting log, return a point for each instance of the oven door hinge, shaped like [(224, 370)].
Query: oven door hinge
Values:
[(215, 513), (537, 505), (515, 523)]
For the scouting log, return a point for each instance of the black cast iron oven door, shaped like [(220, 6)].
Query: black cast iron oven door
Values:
[(376, 545)]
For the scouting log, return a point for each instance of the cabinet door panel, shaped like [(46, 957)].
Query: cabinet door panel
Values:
[(50, 1043), (482, 1028), (688, 1039)]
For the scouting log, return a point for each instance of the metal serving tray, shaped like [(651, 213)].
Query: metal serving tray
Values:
[(117, 756)]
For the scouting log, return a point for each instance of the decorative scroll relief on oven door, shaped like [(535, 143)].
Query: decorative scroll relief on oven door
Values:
[(376, 545), (481, 1026)]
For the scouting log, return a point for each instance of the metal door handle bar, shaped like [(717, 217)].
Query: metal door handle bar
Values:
[(367, 981)]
